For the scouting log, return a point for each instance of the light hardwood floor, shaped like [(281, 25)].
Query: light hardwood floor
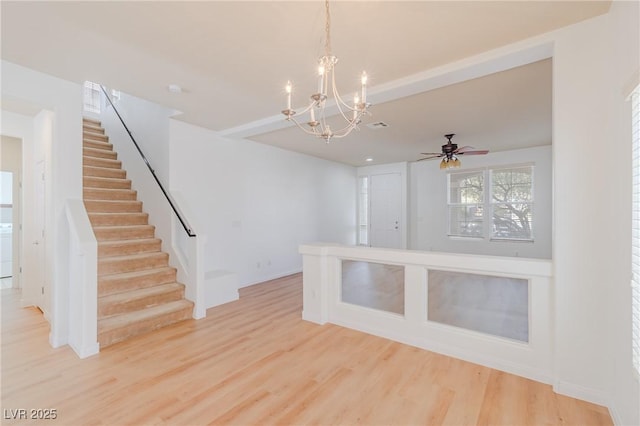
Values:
[(255, 362)]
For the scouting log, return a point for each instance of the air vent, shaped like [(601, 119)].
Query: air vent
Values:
[(377, 125)]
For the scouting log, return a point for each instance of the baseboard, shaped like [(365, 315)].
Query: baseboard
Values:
[(86, 351), (581, 392), (271, 277), (614, 416)]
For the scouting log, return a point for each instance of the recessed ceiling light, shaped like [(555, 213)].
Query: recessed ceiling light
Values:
[(368, 159), (174, 88)]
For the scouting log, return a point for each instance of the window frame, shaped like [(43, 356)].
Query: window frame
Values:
[(487, 204), (531, 202), (91, 97), (451, 204)]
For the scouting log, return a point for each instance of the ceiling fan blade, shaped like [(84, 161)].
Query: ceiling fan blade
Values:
[(464, 149), (430, 158), (476, 152), (439, 154)]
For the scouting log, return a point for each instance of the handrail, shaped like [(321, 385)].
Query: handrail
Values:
[(153, 173)]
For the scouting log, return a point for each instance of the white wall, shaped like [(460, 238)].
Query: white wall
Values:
[(64, 173), (624, 66), (592, 63), (257, 203), (149, 124), (428, 206)]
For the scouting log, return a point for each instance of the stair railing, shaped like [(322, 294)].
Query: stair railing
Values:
[(182, 220)]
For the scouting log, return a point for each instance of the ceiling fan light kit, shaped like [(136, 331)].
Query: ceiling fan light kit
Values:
[(351, 113), (450, 152)]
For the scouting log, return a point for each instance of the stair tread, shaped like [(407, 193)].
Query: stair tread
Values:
[(136, 241), (123, 320), (106, 179), (135, 256), (118, 213), (140, 293), (113, 227), (109, 192), (135, 274), (89, 151), (109, 160), (108, 146)]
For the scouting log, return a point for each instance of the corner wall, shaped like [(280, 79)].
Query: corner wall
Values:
[(64, 174), (593, 62)]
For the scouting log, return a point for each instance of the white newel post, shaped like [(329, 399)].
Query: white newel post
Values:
[(83, 281)]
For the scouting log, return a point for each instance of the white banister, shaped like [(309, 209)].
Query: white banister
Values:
[(322, 303), (83, 281)]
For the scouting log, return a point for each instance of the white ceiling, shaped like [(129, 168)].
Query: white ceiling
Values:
[(232, 58)]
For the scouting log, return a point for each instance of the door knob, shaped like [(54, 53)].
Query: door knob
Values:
[(36, 242)]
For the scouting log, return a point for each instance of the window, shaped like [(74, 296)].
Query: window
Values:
[(363, 210), (512, 203), (635, 231), (466, 202), (507, 206), (91, 97)]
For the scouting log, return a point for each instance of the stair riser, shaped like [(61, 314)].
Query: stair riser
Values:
[(94, 136), (107, 309), (93, 182), (120, 334), (130, 247), (109, 194), (94, 206), (106, 173), (97, 145), (92, 128), (121, 219), (123, 233), (101, 162), (110, 285), (99, 153), (107, 266)]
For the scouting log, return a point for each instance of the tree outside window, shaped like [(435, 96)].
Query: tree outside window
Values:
[(512, 203), (507, 206)]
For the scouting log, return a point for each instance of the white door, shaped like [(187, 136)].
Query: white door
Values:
[(39, 237), (386, 210)]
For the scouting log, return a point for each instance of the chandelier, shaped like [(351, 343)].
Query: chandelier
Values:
[(351, 113)]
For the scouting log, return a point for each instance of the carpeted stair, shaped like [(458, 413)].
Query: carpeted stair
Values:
[(137, 289)]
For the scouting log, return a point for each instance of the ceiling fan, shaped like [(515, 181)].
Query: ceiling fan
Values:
[(450, 152)]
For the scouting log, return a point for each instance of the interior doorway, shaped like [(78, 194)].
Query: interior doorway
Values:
[(10, 212)]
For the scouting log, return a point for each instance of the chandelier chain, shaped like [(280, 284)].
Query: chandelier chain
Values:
[(327, 30)]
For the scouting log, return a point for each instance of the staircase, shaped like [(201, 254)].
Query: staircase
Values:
[(137, 289)]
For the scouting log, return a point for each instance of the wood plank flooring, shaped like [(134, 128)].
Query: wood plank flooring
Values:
[(255, 362)]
